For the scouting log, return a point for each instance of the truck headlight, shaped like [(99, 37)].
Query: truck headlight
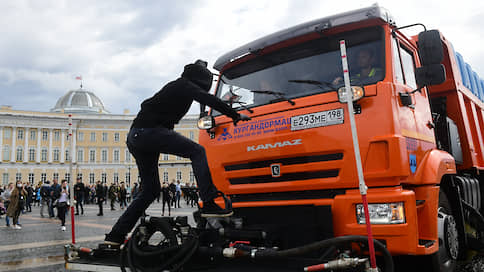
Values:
[(382, 213), (358, 93), (206, 122)]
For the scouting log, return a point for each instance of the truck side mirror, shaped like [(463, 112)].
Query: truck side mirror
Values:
[(431, 74), (430, 47), (431, 52)]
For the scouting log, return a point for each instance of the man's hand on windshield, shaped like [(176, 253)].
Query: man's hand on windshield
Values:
[(241, 117)]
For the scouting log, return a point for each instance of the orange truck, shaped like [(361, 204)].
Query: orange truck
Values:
[(291, 172)]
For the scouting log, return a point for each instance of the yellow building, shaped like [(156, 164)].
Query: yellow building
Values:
[(35, 146)]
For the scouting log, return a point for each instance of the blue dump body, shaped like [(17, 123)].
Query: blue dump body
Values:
[(470, 78)]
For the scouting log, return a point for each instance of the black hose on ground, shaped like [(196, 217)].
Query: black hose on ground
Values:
[(298, 251), (170, 256)]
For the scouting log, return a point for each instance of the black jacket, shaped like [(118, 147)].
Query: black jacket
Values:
[(79, 191), (122, 193), (55, 191), (45, 191), (100, 191), (173, 101), (165, 191)]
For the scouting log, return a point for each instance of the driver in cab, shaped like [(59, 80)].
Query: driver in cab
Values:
[(367, 72)]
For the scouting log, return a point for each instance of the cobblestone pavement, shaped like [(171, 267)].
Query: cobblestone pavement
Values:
[(38, 246)]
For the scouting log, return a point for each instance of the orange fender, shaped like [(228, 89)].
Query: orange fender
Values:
[(435, 164)]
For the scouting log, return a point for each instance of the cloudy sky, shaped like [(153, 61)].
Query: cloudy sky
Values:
[(126, 50)]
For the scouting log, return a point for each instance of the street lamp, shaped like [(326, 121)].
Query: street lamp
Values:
[(129, 175)]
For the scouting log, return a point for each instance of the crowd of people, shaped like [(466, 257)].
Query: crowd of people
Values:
[(18, 198), (171, 194)]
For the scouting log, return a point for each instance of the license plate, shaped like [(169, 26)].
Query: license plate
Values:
[(317, 119)]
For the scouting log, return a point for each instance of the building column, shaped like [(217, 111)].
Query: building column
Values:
[(63, 149), (50, 144), (73, 151), (26, 145), (1, 145), (14, 142), (39, 135)]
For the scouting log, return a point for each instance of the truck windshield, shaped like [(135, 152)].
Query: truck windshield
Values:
[(305, 69)]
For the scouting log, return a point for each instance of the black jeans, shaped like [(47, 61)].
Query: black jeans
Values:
[(100, 201), (61, 212), (122, 202), (79, 200), (146, 144), (113, 201), (166, 200), (16, 215), (51, 207)]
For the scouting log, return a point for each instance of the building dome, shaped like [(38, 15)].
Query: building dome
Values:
[(79, 101)]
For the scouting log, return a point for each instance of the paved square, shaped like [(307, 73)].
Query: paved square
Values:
[(38, 246)]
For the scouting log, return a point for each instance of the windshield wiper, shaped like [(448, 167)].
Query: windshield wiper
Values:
[(243, 106), (320, 84), (277, 94)]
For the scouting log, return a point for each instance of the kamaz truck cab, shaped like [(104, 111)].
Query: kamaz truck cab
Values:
[(290, 171)]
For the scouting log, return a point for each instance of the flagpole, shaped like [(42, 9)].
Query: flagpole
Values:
[(79, 78)]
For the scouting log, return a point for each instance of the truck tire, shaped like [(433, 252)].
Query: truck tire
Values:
[(445, 260)]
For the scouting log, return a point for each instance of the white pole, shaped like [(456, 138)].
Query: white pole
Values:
[(354, 133), (356, 147)]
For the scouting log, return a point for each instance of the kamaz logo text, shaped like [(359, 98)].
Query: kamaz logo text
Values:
[(274, 145)]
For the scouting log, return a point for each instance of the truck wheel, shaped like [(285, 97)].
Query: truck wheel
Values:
[(446, 257)]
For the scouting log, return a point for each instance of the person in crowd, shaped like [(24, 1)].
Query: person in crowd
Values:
[(6, 201), (105, 193), (178, 193), (113, 195), (2, 207), (166, 199), (134, 192), (62, 204), (87, 194), (172, 188), (18, 199), (55, 189), (30, 194), (37, 194), (79, 195), (93, 194), (152, 133), (45, 191), (122, 196), (100, 195), (185, 193), (128, 193), (193, 191)]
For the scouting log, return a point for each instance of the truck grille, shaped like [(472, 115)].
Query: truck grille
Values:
[(285, 177), (291, 195), (285, 161), (302, 175)]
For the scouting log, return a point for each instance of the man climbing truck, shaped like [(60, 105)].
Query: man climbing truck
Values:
[(290, 172)]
